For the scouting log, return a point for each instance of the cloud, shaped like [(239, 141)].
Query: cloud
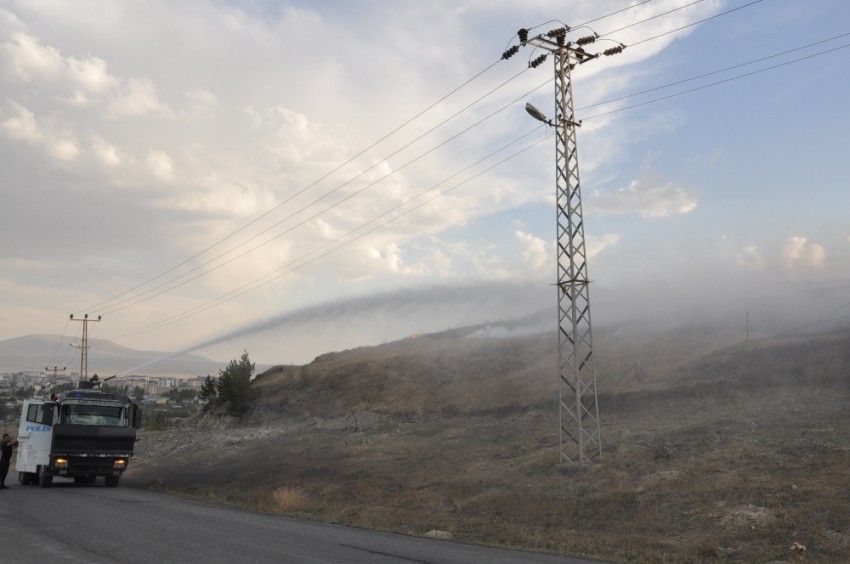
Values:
[(183, 121), (596, 245), (536, 255), (23, 125), (136, 97), (202, 103), (648, 197), (107, 153), (27, 59), (651, 202), (390, 258), (799, 252), (160, 165), (751, 257), (64, 149), (91, 74)]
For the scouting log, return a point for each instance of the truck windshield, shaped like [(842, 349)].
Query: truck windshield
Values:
[(95, 415)]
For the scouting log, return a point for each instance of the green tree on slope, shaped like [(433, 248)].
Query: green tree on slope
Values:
[(234, 385), (209, 392)]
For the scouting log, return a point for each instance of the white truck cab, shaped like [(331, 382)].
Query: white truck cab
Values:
[(83, 434)]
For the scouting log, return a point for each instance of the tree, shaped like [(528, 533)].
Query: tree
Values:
[(157, 422), (184, 394), (208, 391), (234, 384), (23, 392), (112, 389), (138, 394), (63, 388)]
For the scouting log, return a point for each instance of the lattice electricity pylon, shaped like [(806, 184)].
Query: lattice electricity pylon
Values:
[(579, 411)]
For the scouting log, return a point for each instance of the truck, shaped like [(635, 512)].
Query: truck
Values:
[(80, 434)]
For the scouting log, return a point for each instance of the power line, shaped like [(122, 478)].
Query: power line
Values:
[(668, 12), (695, 23), (697, 77), (614, 13), (703, 87), (294, 265), (317, 214), (104, 303), (61, 340), (114, 308), (304, 189), (599, 18)]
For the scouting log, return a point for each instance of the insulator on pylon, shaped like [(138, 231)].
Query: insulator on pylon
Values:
[(538, 61), (556, 33), (613, 50), (586, 40), (510, 52), (523, 35)]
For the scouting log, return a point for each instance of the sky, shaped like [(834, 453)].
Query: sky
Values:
[(297, 177)]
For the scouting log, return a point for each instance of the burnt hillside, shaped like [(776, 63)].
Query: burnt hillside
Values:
[(713, 450)]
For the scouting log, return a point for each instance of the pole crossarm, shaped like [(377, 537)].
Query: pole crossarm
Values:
[(579, 412)]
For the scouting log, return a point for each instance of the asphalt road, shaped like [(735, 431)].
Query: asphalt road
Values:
[(70, 523)]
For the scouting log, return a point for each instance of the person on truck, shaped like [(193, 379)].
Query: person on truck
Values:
[(5, 458)]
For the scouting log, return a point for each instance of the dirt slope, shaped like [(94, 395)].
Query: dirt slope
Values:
[(712, 451)]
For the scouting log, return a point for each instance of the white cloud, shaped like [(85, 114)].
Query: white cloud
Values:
[(208, 114), (799, 252), (751, 257), (647, 197), (27, 59), (390, 258), (536, 255), (30, 61), (22, 126), (91, 74), (25, 127), (107, 153), (596, 245), (160, 165), (136, 97), (63, 149), (202, 102)]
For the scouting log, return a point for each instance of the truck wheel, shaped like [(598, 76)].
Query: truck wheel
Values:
[(45, 478), (112, 481)]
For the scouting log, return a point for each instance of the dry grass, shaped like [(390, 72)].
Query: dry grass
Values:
[(735, 466)]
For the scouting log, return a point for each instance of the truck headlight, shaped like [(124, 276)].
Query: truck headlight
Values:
[(119, 464), (60, 462)]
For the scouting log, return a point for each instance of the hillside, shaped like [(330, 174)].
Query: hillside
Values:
[(713, 450)]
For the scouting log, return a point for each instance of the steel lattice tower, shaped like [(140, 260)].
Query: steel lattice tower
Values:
[(580, 440), (579, 411)]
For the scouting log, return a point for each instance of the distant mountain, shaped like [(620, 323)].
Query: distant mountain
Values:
[(34, 353)]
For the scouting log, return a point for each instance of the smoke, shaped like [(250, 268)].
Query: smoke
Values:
[(135, 369), (297, 337), (301, 335)]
